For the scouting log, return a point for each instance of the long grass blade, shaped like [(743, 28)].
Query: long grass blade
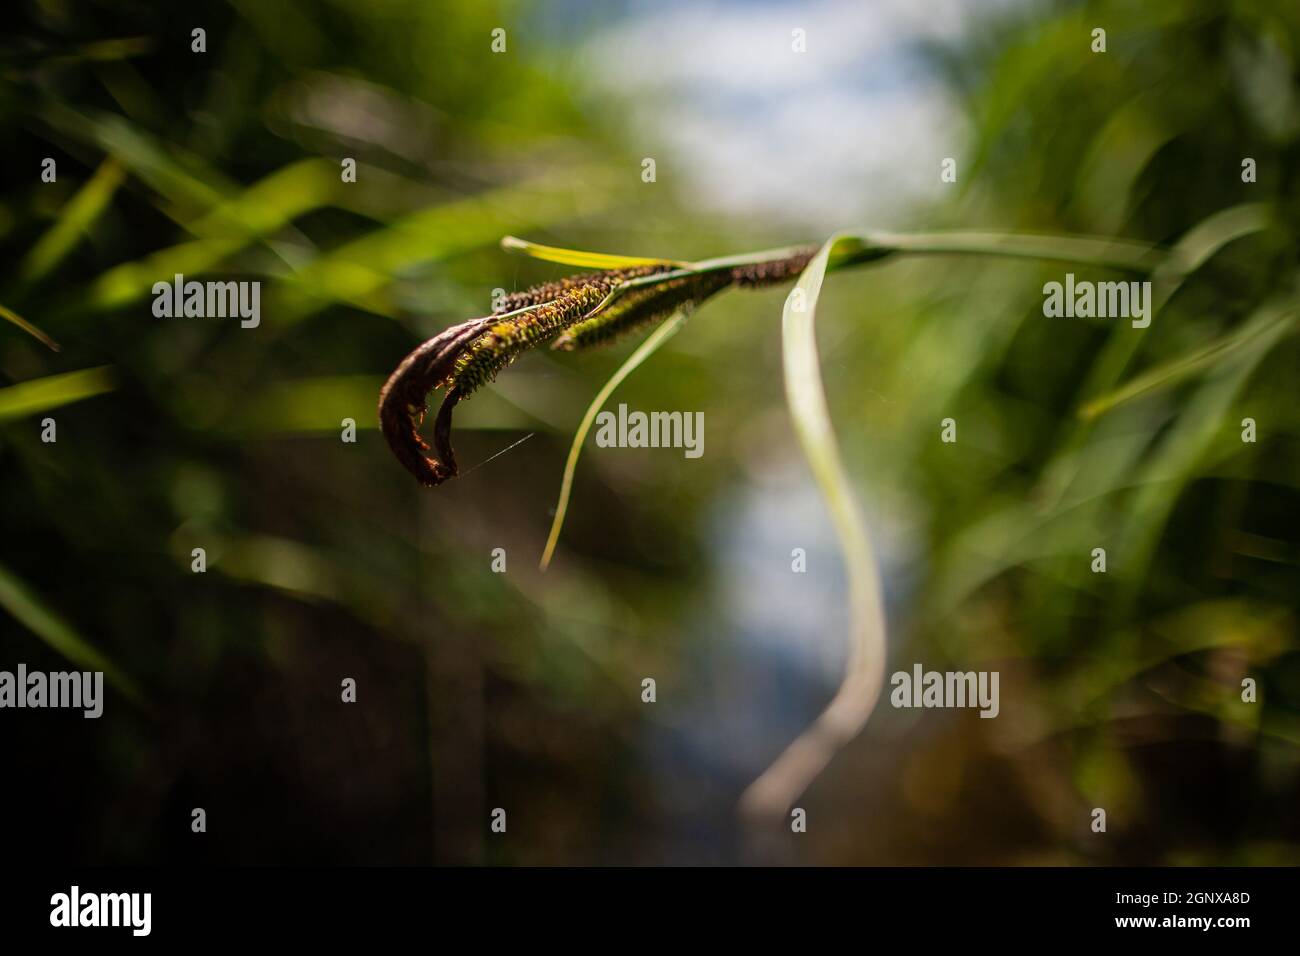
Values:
[(9, 315), (774, 792), (647, 348)]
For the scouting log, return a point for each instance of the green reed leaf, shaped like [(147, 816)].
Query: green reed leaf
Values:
[(1168, 470), (1208, 356), (576, 257), (42, 394), (647, 348), (1192, 250), (75, 219), (1083, 250)]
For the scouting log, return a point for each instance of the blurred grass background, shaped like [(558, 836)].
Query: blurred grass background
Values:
[(479, 690)]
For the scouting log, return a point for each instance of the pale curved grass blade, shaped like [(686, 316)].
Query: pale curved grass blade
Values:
[(774, 792)]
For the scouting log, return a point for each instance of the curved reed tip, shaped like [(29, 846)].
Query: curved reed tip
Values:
[(402, 403)]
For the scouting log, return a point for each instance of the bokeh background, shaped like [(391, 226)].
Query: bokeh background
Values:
[(522, 690)]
